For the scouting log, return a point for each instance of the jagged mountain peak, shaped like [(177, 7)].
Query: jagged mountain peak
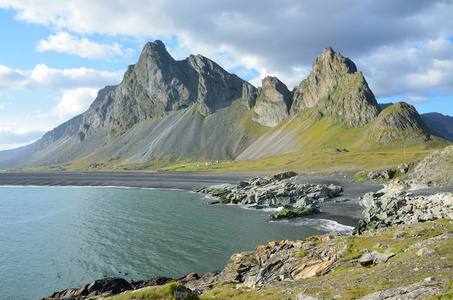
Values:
[(331, 61), (167, 108), (335, 88), (273, 103)]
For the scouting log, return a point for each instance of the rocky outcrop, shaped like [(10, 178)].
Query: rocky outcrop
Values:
[(353, 263), (275, 191), (436, 169), (335, 88), (249, 94), (391, 207), (387, 174), (282, 261), (107, 286), (273, 103), (419, 290)]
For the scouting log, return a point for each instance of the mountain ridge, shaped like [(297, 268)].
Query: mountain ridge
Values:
[(192, 109)]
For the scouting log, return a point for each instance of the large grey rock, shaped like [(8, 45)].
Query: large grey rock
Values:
[(389, 207), (435, 169), (273, 103), (374, 257)]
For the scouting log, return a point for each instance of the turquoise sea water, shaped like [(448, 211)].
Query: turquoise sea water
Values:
[(53, 238)]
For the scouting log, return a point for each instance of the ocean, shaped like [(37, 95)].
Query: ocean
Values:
[(53, 238)]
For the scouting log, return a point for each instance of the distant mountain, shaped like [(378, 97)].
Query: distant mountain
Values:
[(440, 123), (166, 110)]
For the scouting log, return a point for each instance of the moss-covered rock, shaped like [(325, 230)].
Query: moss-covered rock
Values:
[(288, 213)]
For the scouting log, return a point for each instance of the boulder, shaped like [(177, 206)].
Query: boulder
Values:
[(109, 286), (275, 191), (374, 257)]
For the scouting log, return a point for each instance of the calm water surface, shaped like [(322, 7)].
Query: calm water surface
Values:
[(53, 238)]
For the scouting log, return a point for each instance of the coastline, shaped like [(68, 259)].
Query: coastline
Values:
[(163, 180), (346, 213)]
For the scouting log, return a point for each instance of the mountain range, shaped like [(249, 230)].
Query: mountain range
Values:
[(192, 110)]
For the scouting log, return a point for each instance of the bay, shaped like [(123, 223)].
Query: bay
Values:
[(53, 238)]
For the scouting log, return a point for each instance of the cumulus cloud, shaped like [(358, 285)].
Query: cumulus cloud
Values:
[(410, 69), (43, 77), (386, 37), (14, 137), (74, 102), (63, 42), (416, 100)]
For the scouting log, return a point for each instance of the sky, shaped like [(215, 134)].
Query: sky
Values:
[(55, 55)]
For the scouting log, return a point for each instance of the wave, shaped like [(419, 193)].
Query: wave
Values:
[(321, 224)]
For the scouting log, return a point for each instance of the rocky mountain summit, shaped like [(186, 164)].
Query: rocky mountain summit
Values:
[(335, 87), (192, 109), (273, 103)]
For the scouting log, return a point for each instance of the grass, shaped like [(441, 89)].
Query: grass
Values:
[(350, 280), (165, 292), (301, 254), (323, 146)]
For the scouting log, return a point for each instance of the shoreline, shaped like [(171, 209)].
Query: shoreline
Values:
[(346, 213), (126, 179)]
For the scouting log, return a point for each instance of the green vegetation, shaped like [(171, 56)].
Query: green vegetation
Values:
[(360, 176), (294, 213), (301, 254), (349, 280), (165, 292), (322, 146)]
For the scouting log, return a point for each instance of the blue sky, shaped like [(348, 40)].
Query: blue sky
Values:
[(56, 55)]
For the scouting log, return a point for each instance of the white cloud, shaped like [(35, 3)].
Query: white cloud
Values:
[(280, 36), (21, 131), (2, 106), (74, 102), (63, 42), (416, 100), (404, 47), (43, 77), (14, 137), (410, 69)]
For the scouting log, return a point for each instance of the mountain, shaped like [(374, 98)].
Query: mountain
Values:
[(397, 123), (439, 123), (166, 110), (335, 87)]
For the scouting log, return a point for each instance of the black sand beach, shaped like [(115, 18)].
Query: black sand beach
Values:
[(347, 212), (177, 180)]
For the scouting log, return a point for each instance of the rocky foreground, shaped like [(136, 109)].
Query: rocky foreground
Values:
[(399, 262), (401, 250)]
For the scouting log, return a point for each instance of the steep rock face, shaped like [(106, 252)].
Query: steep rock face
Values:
[(335, 87), (249, 94), (66, 130), (158, 84), (273, 103), (397, 123)]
